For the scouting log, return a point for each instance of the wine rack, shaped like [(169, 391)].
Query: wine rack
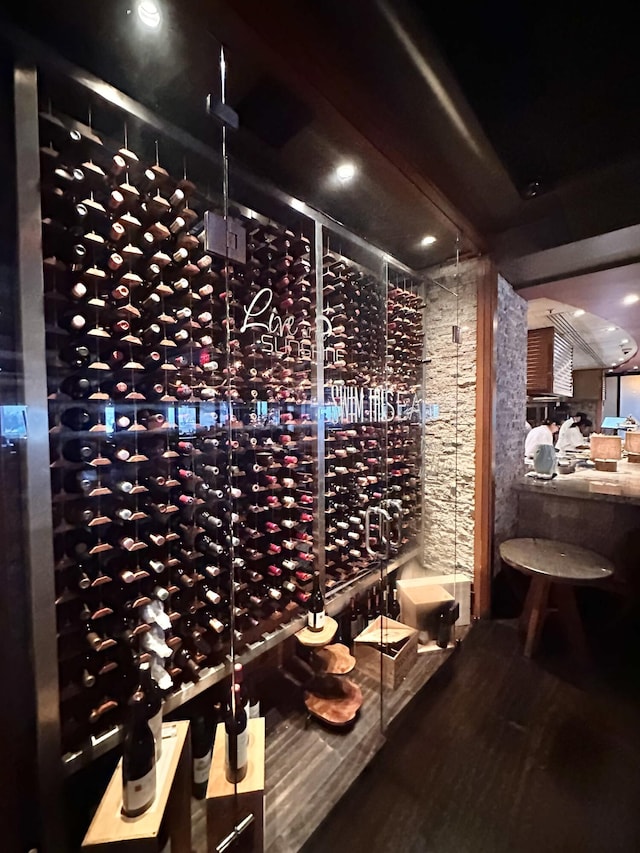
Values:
[(182, 444), (373, 446), (183, 425)]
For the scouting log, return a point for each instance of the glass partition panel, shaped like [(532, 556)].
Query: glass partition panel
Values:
[(136, 359)]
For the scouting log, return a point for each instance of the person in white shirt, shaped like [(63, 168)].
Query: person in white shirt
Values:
[(570, 437), (542, 434)]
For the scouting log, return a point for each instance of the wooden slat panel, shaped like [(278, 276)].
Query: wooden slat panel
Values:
[(540, 344), (485, 418)]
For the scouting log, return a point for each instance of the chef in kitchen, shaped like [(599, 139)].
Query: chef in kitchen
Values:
[(542, 434), (570, 437)]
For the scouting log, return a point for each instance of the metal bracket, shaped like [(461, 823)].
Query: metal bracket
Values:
[(222, 113)]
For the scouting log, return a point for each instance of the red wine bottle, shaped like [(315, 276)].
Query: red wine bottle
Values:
[(138, 759), (153, 696), (237, 738), (202, 737)]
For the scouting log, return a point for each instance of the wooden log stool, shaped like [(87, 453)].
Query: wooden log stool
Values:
[(555, 568)]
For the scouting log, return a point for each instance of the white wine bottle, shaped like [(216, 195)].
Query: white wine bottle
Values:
[(315, 606)]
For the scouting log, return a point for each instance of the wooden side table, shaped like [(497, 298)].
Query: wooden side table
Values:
[(112, 832), (555, 568)]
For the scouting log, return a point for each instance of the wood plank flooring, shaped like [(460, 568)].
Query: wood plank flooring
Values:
[(506, 756), (310, 767)]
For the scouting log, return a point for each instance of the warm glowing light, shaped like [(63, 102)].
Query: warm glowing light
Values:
[(149, 14), (578, 312), (631, 298), (429, 240), (345, 172)]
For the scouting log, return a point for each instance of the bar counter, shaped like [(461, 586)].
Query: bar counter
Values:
[(595, 509), (622, 486)]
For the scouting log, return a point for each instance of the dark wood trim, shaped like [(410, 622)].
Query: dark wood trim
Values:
[(487, 299)]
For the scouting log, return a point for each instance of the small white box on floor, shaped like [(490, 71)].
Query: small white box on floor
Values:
[(421, 603), (458, 586)]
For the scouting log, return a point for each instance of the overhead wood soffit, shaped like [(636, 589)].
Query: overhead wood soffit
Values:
[(617, 248), (286, 49)]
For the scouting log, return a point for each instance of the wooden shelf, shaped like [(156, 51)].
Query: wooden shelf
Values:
[(338, 599), (110, 829)]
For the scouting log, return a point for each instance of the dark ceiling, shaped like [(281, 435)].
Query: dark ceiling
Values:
[(450, 111), (554, 85)]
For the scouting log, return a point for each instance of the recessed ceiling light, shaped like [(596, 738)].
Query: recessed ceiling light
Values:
[(345, 172), (631, 298), (149, 14), (611, 329), (429, 240), (578, 312), (624, 341)]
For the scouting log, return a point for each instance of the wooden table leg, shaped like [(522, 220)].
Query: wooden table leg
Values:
[(565, 598), (536, 607)]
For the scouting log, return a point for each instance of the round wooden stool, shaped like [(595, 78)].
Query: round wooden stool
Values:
[(555, 568)]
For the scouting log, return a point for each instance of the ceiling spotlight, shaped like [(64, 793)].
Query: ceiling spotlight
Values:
[(624, 341), (578, 312), (631, 298), (345, 172), (149, 14), (532, 189), (429, 240), (611, 329)]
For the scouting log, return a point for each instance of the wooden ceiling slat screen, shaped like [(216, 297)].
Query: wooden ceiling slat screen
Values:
[(540, 361), (549, 363)]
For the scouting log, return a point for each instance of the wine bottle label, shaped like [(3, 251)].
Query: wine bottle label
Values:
[(239, 760), (138, 794), (316, 620), (201, 767), (155, 724)]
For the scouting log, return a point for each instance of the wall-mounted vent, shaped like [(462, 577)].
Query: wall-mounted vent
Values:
[(273, 112)]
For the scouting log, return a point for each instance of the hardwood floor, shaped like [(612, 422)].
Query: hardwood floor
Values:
[(510, 755)]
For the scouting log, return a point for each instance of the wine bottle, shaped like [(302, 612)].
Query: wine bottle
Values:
[(236, 737), (153, 696), (138, 759), (202, 735), (315, 605)]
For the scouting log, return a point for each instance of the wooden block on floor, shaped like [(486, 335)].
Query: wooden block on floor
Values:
[(229, 804), (111, 831)]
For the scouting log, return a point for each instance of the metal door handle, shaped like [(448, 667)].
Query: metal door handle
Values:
[(384, 516), (235, 833), (396, 517)]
